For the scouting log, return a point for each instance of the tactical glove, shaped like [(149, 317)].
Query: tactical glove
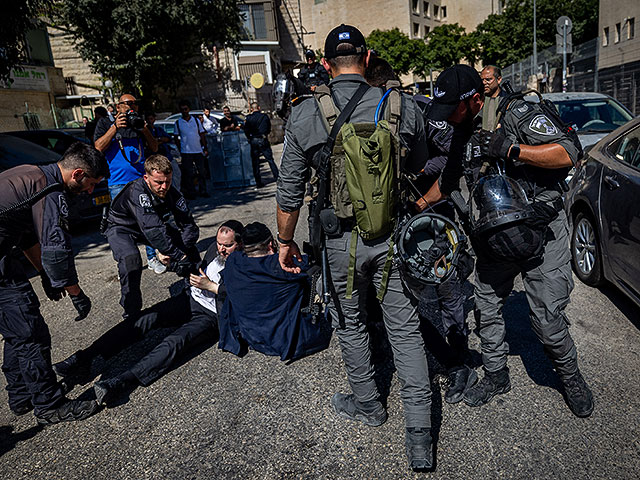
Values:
[(82, 304), (183, 267), (494, 144), (52, 293)]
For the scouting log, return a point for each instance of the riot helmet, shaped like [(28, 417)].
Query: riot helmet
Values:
[(427, 249)]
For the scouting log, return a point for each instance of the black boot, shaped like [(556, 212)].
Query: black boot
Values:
[(492, 384), (460, 380), (419, 450), (578, 395), (77, 365), (109, 389), (68, 411), (370, 413)]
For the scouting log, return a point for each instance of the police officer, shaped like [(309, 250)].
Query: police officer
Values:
[(33, 216), (257, 127), (346, 57), (313, 74), (537, 154), (152, 212)]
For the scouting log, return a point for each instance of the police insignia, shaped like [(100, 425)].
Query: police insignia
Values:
[(441, 125), (64, 208), (181, 204), (542, 125), (438, 93), (145, 201)]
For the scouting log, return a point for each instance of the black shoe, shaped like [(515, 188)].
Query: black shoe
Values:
[(346, 406), (492, 384), (74, 366), (460, 380), (578, 395), (107, 390), (419, 450), (69, 411), (23, 408)]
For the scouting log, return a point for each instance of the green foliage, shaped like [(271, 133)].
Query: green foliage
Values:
[(402, 53), (145, 44), (447, 45), (18, 17)]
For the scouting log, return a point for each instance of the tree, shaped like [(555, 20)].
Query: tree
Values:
[(146, 44), (403, 54), (17, 19), (447, 45)]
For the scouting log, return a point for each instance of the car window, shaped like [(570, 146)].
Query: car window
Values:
[(596, 114), (16, 151), (627, 148)]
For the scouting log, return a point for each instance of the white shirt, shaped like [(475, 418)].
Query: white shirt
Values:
[(204, 297), (210, 124), (189, 134)]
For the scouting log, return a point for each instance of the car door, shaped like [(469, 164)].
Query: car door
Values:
[(620, 208)]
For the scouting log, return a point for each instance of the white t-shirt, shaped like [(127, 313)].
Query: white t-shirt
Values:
[(210, 124), (204, 297), (189, 134)]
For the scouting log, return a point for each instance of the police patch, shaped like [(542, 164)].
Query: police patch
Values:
[(145, 201), (438, 93), (181, 205), (344, 36), (441, 125), (62, 205), (542, 125)]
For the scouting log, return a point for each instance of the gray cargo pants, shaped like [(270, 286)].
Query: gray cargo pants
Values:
[(400, 320), (547, 284)]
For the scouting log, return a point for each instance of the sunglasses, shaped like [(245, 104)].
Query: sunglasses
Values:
[(130, 103)]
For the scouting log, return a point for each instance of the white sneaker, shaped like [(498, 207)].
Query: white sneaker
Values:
[(157, 266)]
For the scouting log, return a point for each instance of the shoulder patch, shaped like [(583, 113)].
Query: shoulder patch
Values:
[(181, 205), (542, 125), (441, 125), (62, 205), (145, 201), (521, 110)]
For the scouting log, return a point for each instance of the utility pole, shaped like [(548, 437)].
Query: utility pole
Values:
[(535, 44), (564, 44)]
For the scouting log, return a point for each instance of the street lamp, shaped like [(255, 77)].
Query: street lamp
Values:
[(109, 85)]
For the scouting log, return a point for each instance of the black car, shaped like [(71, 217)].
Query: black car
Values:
[(55, 140), (15, 151), (603, 209)]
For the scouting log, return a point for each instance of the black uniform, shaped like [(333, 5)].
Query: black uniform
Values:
[(313, 75), (257, 127), (139, 216), (27, 348)]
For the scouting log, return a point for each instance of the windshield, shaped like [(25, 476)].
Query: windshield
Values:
[(594, 115), (16, 151)]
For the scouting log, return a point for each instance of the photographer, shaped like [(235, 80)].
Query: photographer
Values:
[(152, 212)]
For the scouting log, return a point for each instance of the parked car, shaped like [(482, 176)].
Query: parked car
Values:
[(16, 151), (602, 204), (55, 140), (592, 115)]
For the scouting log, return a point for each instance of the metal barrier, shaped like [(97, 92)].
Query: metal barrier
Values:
[(230, 160)]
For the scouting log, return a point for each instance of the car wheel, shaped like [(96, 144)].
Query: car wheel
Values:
[(585, 251)]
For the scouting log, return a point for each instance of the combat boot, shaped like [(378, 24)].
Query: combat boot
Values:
[(492, 384), (107, 390), (419, 450), (578, 395), (68, 411), (460, 380), (22, 409), (77, 365), (370, 413)]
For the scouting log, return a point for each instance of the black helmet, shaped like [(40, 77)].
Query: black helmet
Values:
[(497, 200), (310, 54), (427, 249)]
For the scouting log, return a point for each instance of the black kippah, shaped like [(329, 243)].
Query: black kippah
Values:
[(255, 233)]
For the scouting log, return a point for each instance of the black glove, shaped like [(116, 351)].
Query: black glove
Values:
[(183, 267), (52, 293), (82, 304), (494, 144)]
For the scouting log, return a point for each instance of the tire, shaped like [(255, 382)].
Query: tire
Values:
[(586, 252)]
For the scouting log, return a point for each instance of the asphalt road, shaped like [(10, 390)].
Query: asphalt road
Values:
[(219, 416)]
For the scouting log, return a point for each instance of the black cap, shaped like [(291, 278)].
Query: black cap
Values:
[(255, 233), (234, 225), (453, 85), (344, 34), (310, 54)]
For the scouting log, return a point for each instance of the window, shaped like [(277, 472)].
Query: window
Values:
[(631, 28), (416, 30), (605, 36), (617, 35), (425, 8), (258, 21), (427, 29), (436, 11), (627, 148), (415, 6), (38, 46), (443, 12)]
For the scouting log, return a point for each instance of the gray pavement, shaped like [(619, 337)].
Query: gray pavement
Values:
[(219, 416)]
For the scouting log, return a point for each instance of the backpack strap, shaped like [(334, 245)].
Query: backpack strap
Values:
[(327, 106), (394, 109)]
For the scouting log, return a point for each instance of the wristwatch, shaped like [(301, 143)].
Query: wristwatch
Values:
[(514, 152), (282, 240)]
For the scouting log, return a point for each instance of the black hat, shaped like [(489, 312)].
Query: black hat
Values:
[(344, 34), (453, 85), (255, 233), (310, 54)]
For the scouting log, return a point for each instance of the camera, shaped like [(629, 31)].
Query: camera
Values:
[(134, 120)]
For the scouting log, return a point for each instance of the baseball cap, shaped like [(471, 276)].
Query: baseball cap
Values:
[(453, 86), (344, 34), (310, 54), (255, 233)]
